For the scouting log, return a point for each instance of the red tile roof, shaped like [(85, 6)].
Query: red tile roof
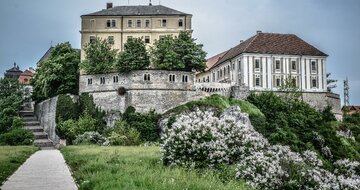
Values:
[(355, 108), (214, 59), (272, 43)]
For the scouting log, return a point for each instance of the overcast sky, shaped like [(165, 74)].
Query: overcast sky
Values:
[(333, 26)]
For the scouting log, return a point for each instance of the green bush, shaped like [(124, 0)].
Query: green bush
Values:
[(66, 130), (66, 108), (91, 137), (124, 135), (18, 122), (6, 119), (145, 123), (17, 136)]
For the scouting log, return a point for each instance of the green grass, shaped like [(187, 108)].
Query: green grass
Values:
[(11, 157), (97, 167)]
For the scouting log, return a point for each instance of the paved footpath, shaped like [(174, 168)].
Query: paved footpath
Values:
[(44, 170)]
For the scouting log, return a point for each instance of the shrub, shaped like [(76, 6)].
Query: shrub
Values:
[(124, 135), (91, 137), (66, 108), (17, 136), (18, 122), (6, 119), (145, 123), (66, 130)]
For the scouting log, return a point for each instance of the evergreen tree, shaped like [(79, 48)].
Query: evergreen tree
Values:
[(134, 56)]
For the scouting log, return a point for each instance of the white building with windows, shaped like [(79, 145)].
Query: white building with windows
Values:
[(265, 61)]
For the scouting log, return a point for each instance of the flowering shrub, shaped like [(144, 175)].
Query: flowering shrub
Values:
[(201, 138), (91, 137)]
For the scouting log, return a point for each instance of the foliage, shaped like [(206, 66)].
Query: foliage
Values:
[(6, 119), (12, 157), (144, 123), (124, 135), (57, 75), (10, 87), (18, 122), (88, 106), (99, 57), (66, 108), (66, 130), (296, 124), (120, 167), (179, 53), (91, 137), (17, 136), (289, 90), (134, 56), (164, 55)]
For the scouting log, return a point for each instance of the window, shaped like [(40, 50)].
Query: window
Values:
[(138, 23), (92, 39), (89, 81), (163, 23), (111, 39), (233, 66), (110, 23), (213, 77), (171, 78), (129, 23), (102, 80), (277, 64), (257, 80), (257, 64), (239, 65), (277, 81), (116, 79), (203, 79), (220, 72), (184, 78), (161, 37), (147, 23), (147, 39), (313, 66), (180, 22), (146, 77), (313, 82), (208, 79), (92, 23), (228, 69), (293, 65)]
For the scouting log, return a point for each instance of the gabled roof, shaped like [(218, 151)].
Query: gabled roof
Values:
[(140, 10), (46, 55), (214, 59), (272, 43)]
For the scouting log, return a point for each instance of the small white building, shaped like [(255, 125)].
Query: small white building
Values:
[(264, 61)]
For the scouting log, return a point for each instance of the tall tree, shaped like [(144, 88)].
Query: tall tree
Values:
[(190, 53), (134, 56), (100, 57), (164, 55), (57, 75)]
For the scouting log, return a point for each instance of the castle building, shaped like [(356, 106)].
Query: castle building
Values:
[(265, 61), (117, 24)]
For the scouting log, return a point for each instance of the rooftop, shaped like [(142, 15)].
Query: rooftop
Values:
[(272, 43), (139, 10)]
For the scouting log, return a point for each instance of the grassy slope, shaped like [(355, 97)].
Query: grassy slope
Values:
[(97, 167), (11, 157)]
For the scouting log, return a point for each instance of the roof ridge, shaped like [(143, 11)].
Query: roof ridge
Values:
[(254, 37)]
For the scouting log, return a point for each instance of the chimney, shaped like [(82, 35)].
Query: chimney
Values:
[(109, 5), (259, 31)]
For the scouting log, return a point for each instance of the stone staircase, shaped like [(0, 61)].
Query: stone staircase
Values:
[(41, 138)]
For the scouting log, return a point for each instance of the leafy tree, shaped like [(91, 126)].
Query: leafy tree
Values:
[(134, 56), (331, 83), (290, 90), (164, 54), (99, 58), (57, 75), (190, 53)]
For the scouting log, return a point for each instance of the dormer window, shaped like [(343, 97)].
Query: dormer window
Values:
[(180, 22), (111, 23)]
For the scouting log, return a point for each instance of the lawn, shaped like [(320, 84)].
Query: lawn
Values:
[(11, 157), (96, 167)]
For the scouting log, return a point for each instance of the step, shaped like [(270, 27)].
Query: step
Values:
[(26, 113), (40, 135), (30, 118), (43, 143), (32, 123), (34, 128)]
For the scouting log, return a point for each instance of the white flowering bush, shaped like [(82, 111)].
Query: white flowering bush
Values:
[(200, 138), (91, 137)]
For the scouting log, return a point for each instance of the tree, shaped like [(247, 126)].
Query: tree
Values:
[(289, 89), (134, 56), (99, 58), (164, 54), (179, 53), (57, 75), (330, 83), (190, 53)]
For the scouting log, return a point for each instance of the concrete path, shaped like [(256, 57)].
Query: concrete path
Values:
[(44, 170)]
